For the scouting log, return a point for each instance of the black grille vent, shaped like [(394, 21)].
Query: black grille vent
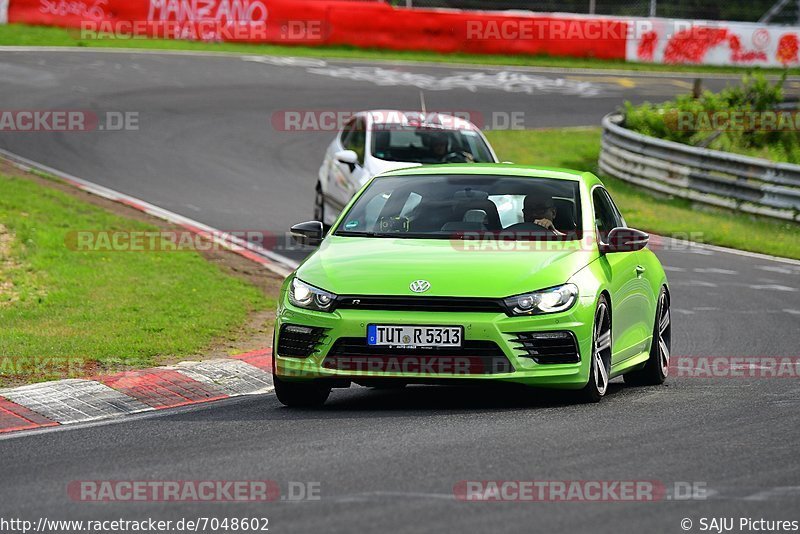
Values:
[(548, 347), (297, 341), (432, 304), (474, 357)]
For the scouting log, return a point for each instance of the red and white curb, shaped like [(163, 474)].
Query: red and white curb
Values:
[(65, 402), (71, 401)]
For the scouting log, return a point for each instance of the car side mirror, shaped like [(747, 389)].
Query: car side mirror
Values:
[(623, 240), (348, 157), (308, 233)]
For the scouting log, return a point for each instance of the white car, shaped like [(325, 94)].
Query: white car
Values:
[(372, 142)]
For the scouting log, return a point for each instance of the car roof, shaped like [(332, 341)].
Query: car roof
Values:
[(428, 119), (500, 169)]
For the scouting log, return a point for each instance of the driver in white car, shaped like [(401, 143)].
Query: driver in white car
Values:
[(440, 149)]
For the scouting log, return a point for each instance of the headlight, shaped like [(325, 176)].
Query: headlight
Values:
[(555, 299), (309, 297)]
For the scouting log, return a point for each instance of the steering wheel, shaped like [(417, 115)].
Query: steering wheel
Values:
[(529, 227), (456, 157)]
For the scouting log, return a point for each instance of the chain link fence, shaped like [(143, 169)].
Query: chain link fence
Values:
[(736, 10)]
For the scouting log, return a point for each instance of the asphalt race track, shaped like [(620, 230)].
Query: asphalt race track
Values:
[(207, 148)]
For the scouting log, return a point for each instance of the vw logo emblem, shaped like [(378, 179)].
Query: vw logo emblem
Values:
[(420, 286)]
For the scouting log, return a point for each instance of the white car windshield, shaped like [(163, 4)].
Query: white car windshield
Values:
[(395, 142)]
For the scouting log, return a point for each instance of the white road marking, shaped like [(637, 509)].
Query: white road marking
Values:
[(509, 81), (772, 493), (714, 270), (383, 495), (772, 287), (777, 269), (695, 283), (287, 61), (669, 268)]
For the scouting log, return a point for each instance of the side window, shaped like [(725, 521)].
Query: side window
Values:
[(346, 132), (606, 216), (617, 215), (357, 139)]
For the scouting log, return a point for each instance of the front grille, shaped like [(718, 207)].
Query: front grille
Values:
[(474, 357), (297, 341), (548, 347), (432, 304)]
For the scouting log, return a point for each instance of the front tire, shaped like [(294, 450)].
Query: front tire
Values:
[(656, 369), (301, 394), (600, 364)]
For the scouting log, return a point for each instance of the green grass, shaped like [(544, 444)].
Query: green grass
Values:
[(24, 35), (578, 148), (70, 312)]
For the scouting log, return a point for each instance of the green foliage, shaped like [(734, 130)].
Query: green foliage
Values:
[(690, 121)]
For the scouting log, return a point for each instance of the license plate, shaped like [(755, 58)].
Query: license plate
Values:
[(414, 336)]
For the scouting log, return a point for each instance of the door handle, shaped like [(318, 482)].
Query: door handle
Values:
[(640, 271)]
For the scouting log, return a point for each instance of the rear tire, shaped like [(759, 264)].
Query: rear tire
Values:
[(656, 369), (600, 363), (301, 394)]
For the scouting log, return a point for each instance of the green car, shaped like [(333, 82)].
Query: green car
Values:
[(473, 274)]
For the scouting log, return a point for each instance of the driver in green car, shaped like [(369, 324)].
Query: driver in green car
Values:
[(541, 211)]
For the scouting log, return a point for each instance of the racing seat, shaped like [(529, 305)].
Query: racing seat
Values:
[(474, 214), (565, 215)]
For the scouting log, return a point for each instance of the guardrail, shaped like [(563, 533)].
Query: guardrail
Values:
[(723, 179)]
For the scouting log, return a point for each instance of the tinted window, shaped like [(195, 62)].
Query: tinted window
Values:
[(606, 215), (618, 216), (356, 138), (394, 142)]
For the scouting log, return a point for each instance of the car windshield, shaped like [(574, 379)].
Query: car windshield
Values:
[(394, 142), (452, 206)]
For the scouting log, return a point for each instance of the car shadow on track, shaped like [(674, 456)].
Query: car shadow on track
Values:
[(435, 400)]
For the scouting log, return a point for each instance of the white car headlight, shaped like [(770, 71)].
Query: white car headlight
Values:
[(309, 297), (553, 300)]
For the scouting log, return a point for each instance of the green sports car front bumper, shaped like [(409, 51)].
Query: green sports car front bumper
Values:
[(545, 350)]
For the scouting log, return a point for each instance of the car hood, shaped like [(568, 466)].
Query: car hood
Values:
[(386, 266)]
